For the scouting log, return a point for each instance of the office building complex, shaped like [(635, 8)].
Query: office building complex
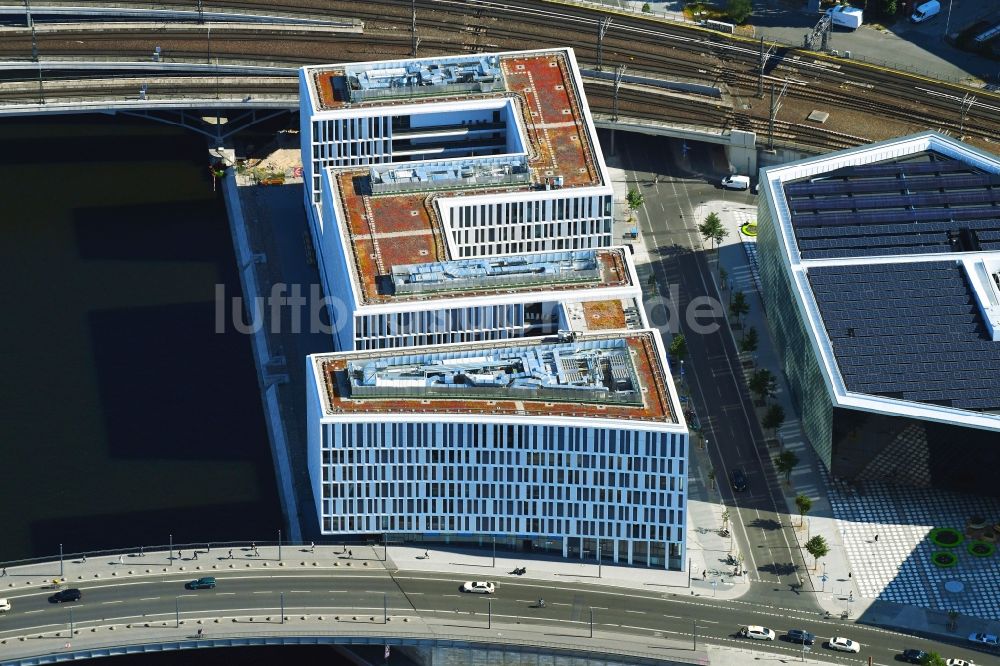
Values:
[(456, 199), (881, 274), (496, 375), (569, 445)]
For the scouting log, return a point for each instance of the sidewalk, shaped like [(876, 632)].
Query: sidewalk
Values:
[(834, 581)]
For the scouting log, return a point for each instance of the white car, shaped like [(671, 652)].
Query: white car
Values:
[(959, 662), (844, 644), (4, 605), (479, 587), (735, 182), (757, 633), (989, 640)]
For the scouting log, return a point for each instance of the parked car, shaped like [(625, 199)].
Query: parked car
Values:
[(207, 583), (738, 480), (800, 636), (4, 605), (71, 594), (844, 644), (959, 662), (925, 11), (479, 587), (987, 640), (735, 182), (757, 633), (913, 656)]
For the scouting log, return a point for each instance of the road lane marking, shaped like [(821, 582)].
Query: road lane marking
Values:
[(148, 598), (300, 591), (119, 601)]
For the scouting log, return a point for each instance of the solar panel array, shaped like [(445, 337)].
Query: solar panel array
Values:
[(924, 204), (911, 331)]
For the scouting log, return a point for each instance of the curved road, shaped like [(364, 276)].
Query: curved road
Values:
[(436, 596)]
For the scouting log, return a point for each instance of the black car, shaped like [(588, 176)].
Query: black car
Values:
[(738, 480), (913, 656), (801, 636), (72, 594)]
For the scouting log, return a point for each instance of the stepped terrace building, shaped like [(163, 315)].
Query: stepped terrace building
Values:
[(881, 274), (458, 199), (496, 376), (568, 444)]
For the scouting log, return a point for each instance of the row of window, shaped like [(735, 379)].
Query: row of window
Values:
[(526, 212), (571, 463), (338, 523), (410, 437), (439, 321)]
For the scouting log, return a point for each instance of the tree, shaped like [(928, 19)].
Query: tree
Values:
[(785, 462), (817, 547), (890, 7), (646, 8), (762, 383), (712, 229), (678, 347), (774, 417), (738, 10), (804, 504), (933, 659), (738, 305), (635, 199), (748, 344)]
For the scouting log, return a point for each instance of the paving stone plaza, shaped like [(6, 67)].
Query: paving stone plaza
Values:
[(898, 567)]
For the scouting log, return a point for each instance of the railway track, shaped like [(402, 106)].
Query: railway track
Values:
[(894, 102)]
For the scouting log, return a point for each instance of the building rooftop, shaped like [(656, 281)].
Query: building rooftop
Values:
[(894, 254), (392, 219), (922, 203), (395, 238), (912, 331), (617, 377)]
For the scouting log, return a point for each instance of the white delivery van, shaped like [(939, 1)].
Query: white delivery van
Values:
[(735, 182), (848, 17), (925, 11)]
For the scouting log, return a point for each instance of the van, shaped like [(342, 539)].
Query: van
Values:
[(926, 11), (735, 182), (846, 16)]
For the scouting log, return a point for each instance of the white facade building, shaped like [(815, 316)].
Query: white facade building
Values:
[(560, 445), (497, 377), (445, 161)]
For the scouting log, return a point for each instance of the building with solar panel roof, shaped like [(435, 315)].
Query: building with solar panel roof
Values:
[(880, 268)]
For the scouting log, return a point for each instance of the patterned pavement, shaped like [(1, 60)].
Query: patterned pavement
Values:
[(898, 567)]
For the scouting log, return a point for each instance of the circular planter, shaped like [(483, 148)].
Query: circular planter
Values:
[(947, 537), (749, 229), (944, 559), (980, 548)]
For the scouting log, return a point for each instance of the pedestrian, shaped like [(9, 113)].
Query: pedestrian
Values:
[(312, 546), (850, 574), (180, 555), (84, 560), (121, 559), (876, 538), (200, 632), (850, 597), (230, 553), (4, 572), (704, 574), (253, 545), (256, 552), (196, 554), (142, 551), (427, 555), (350, 554)]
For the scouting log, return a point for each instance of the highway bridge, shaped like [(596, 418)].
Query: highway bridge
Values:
[(136, 601)]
